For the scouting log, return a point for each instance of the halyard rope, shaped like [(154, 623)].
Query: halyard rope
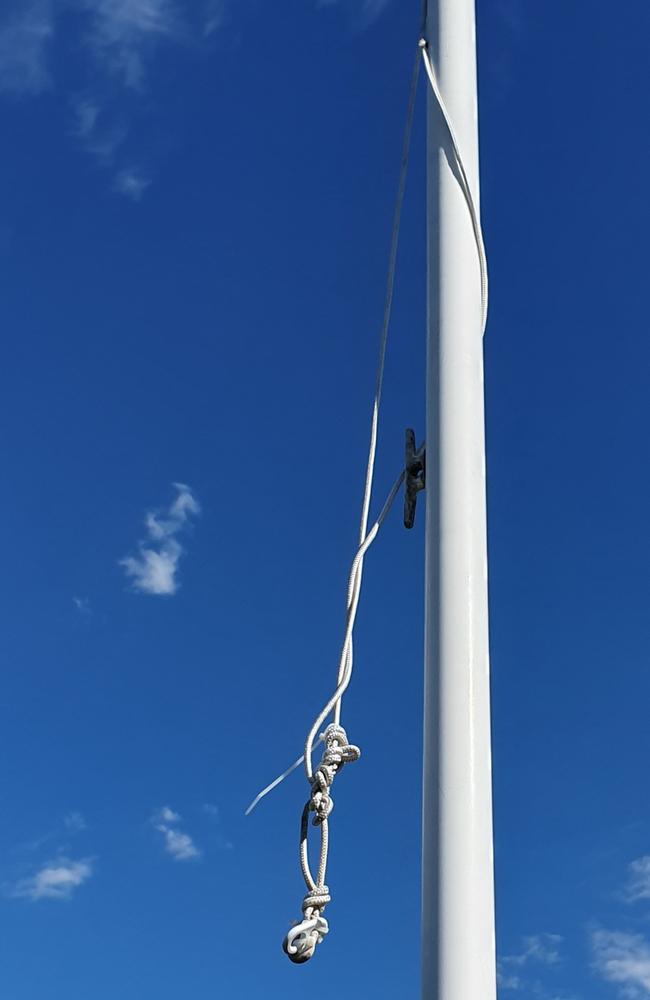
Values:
[(301, 941), (462, 178)]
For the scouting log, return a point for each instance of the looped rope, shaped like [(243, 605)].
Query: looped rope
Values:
[(300, 943), (337, 753)]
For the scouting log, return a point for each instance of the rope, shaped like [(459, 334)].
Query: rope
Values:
[(383, 339), (463, 179), (372, 534), (366, 537), (302, 940)]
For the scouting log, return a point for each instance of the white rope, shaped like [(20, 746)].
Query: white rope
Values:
[(366, 538), (301, 941), (345, 666), (463, 179), (345, 680), (273, 784), (345, 660)]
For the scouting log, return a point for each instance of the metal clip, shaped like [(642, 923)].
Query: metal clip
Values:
[(414, 480), (300, 943)]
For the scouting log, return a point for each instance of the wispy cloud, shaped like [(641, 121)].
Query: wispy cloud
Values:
[(26, 29), (220, 839), (508, 981), (638, 886), (623, 959), (122, 39), (520, 972), (54, 880), (542, 948), (213, 16), (82, 604), (86, 113), (119, 42), (154, 569), (177, 843), (124, 34), (131, 183), (69, 825), (97, 133), (74, 822)]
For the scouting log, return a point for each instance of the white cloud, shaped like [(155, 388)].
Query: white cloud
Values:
[(178, 844), (96, 133), (125, 32), (120, 39), (167, 815), (542, 948), (518, 972), (638, 886), (624, 959), (74, 822), (131, 183), (154, 569), (86, 114), (24, 36), (55, 880), (505, 981), (183, 507), (213, 16), (371, 9), (82, 604)]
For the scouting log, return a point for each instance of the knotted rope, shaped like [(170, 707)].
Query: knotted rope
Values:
[(300, 942)]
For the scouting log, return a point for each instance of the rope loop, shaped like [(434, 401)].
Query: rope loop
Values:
[(301, 941), (337, 753)]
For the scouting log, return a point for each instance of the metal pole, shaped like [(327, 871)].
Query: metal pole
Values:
[(458, 946)]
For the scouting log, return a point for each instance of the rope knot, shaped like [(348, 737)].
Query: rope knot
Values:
[(337, 753), (316, 900)]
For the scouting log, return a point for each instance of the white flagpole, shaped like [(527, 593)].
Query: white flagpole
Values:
[(458, 947)]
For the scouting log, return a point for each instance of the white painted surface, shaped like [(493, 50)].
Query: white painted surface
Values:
[(458, 947)]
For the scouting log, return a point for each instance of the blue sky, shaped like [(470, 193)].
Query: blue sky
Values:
[(194, 225)]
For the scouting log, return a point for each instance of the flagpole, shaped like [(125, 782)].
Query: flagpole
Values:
[(458, 948)]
